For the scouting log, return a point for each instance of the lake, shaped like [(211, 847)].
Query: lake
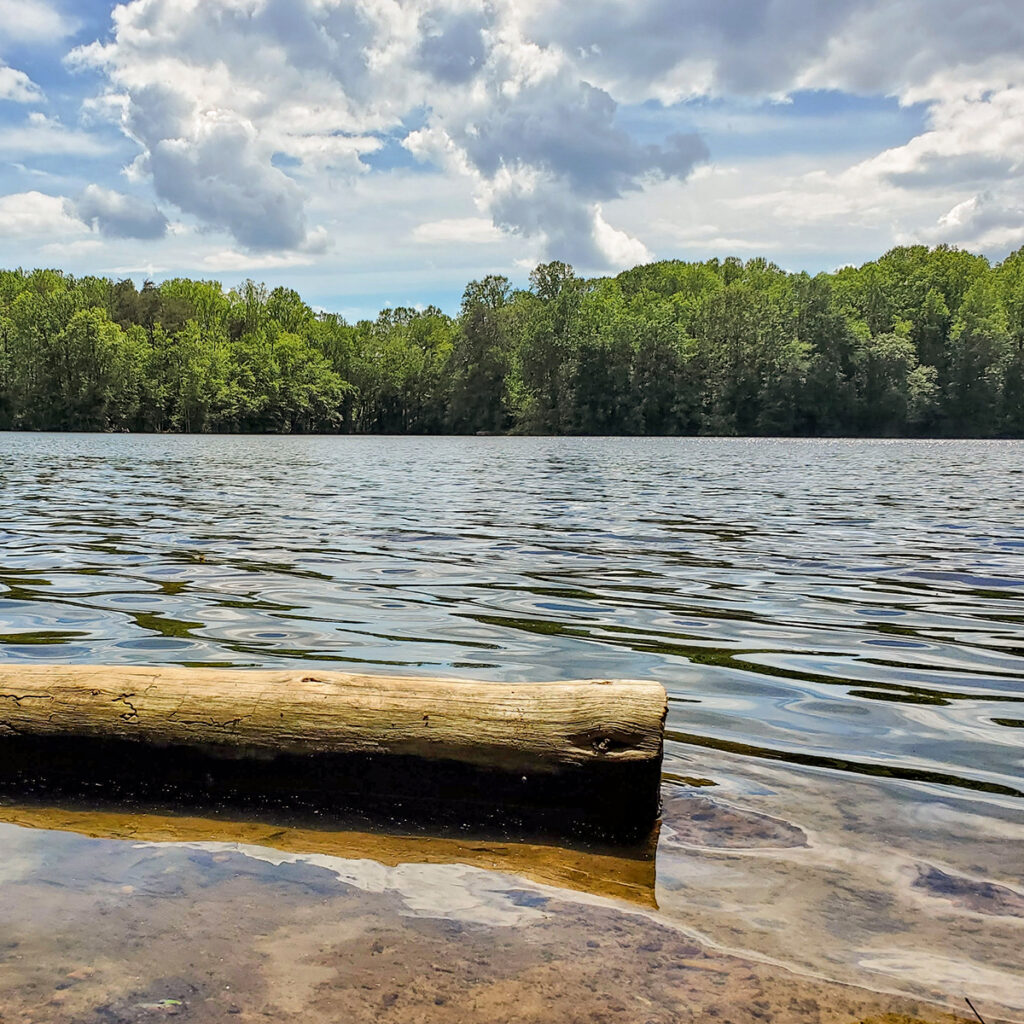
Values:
[(839, 624)]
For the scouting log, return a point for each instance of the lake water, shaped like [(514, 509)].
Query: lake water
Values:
[(839, 624)]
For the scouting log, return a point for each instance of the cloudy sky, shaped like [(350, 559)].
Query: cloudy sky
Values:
[(376, 152)]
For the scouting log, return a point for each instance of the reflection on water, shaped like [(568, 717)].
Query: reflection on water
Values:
[(621, 873), (839, 625)]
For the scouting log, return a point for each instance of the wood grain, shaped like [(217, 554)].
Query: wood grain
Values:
[(537, 727)]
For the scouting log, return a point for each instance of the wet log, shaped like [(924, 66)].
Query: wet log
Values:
[(510, 726), (590, 749)]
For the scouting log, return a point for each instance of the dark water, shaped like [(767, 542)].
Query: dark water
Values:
[(840, 624)]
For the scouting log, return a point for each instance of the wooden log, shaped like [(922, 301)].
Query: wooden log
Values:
[(597, 742), (511, 726)]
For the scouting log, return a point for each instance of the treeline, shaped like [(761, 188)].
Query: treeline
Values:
[(918, 343)]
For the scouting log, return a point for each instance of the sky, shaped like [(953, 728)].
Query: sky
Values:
[(385, 152)]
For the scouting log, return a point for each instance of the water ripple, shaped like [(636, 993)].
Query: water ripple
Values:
[(849, 606)]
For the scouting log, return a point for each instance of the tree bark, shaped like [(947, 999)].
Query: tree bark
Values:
[(510, 726)]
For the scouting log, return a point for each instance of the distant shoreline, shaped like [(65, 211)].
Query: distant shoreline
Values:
[(925, 343), (507, 436)]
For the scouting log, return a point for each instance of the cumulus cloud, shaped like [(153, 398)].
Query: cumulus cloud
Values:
[(36, 215), (216, 94), (17, 87), (992, 223), (546, 150), (674, 49), (30, 21), (248, 114), (230, 260), (452, 46), (217, 170), (974, 134), (963, 62), (906, 48), (117, 215), (968, 163)]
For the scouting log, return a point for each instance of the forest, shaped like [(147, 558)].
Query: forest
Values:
[(919, 343)]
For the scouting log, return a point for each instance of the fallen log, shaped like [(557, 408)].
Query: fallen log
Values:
[(585, 756)]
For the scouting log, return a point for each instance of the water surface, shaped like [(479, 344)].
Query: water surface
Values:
[(840, 626)]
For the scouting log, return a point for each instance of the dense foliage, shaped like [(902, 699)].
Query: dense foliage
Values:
[(920, 342)]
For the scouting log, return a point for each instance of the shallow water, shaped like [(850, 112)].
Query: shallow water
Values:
[(840, 626)]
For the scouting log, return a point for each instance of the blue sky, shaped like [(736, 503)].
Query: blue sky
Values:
[(380, 152)]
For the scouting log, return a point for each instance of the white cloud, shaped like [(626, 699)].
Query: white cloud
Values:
[(991, 223), (243, 110), (963, 62), (39, 134), (457, 230), (32, 21), (545, 150), (219, 170), (800, 211), (61, 253), (895, 46), (117, 215), (675, 49), (618, 248), (252, 118), (36, 215), (959, 181), (17, 87), (974, 134), (232, 260)]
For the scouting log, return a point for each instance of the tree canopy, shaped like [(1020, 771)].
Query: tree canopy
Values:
[(921, 342)]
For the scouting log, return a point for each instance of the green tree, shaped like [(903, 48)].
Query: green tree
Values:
[(885, 365), (481, 358), (920, 341), (979, 350)]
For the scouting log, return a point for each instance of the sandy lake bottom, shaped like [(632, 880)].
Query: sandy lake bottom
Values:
[(746, 914)]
